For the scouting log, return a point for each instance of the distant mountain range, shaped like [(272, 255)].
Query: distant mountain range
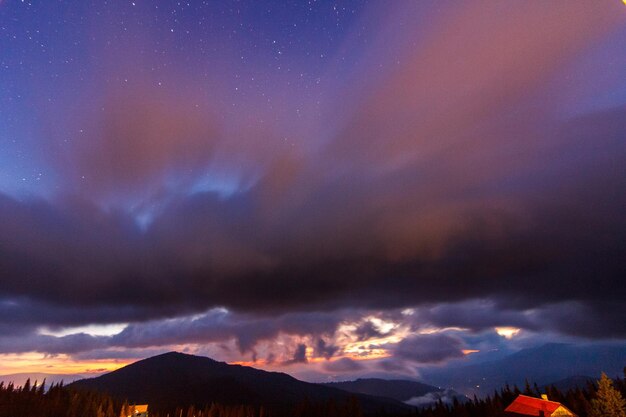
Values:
[(20, 378), (543, 365), (175, 379), (409, 392)]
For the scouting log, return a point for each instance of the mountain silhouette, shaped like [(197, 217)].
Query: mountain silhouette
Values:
[(407, 391), (175, 380), (400, 390), (543, 365)]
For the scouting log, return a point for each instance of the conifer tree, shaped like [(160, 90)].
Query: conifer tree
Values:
[(125, 411), (608, 401), (26, 386)]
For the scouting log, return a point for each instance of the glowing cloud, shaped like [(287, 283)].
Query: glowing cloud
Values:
[(92, 329), (507, 332)]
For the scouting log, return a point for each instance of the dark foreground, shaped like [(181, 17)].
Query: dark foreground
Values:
[(61, 401)]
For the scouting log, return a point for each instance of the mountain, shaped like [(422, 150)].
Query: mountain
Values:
[(20, 378), (543, 365), (409, 392), (401, 390), (175, 379)]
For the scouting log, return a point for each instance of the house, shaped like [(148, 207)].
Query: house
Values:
[(538, 407), (141, 410)]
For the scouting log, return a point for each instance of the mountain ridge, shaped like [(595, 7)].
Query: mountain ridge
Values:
[(541, 364), (176, 379), (410, 392)]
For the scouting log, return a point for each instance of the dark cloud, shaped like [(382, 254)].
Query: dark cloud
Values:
[(220, 325), (476, 315), (367, 330), (325, 350), (429, 348), (216, 326), (123, 354), (299, 356), (24, 313), (343, 365), (53, 345), (601, 320), (201, 252)]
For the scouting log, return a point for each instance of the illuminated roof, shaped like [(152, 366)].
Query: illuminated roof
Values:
[(532, 406)]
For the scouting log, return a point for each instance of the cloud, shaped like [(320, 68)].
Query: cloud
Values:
[(395, 366), (144, 140), (446, 396), (429, 348), (125, 353), (470, 325), (220, 325), (477, 315), (216, 326), (343, 365), (70, 344), (325, 350), (575, 318), (366, 331), (299, 355)]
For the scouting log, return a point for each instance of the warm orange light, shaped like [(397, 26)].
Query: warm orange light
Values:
[(259, 362), (33, 362), (470, 351)]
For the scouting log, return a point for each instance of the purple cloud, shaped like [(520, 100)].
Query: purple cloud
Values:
[(429, 348)]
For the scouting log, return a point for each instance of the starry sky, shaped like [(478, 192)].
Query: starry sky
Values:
[(326, 188)]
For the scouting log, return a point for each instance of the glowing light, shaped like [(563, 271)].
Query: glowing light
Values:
[(470, 351), (372, 348), (507, 332), (259, 362)]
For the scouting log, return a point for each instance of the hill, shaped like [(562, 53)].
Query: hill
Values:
[(175, 380), (409, 392)]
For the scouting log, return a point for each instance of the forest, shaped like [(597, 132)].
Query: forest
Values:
[(35, 400)]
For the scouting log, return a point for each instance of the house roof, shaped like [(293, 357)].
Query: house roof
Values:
[(532, 406)]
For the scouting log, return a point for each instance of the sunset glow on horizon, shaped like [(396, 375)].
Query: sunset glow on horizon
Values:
[(33, 362)]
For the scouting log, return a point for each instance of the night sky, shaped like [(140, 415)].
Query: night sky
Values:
[(326, 188)]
